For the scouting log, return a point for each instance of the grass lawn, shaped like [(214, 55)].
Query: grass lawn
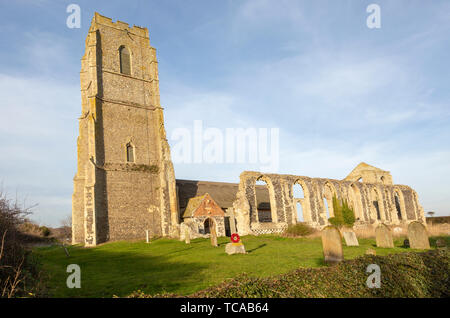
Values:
[(165, 265)]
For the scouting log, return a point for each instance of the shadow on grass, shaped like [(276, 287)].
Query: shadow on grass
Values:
[(105, 273), (256, 248)]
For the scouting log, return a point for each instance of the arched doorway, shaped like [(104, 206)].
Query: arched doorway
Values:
[(208, 224)]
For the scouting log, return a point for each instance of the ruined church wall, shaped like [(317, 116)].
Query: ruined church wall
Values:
[(363, 197)]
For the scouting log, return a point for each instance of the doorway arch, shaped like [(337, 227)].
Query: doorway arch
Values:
[(208, 224)]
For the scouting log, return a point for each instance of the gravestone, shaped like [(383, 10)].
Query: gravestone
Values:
[(213, 235), (350, 238), (383, 236), (187, 235), (236, 246), (418, 236), (332, 245)]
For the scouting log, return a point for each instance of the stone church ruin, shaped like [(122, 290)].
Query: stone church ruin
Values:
[(125, 181)]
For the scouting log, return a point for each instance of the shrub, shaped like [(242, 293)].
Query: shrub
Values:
[(403, 275), (29, 227), (334, 221), (299, 229), (19, 275), (45, 231), (343, 213), (347, 214)]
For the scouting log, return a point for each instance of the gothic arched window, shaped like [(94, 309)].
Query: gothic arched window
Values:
[(130, 153), (125, 61)]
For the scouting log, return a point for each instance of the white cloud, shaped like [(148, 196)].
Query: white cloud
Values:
[(336, 104)]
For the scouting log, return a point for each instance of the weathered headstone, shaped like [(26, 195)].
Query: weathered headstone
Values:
[(417, 235), (383, 236), (332, 245), (187, 235), (350, 238), (236, 246), (213, 234)]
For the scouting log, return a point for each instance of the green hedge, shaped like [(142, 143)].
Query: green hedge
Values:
[(402, 275)]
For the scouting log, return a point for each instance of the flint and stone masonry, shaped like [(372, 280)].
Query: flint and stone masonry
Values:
[(369, 191), (125, 181)]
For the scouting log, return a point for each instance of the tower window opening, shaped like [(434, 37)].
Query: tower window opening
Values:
[(130, 153), (125, 65)]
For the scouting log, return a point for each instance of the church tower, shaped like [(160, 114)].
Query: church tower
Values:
[(125, 181)]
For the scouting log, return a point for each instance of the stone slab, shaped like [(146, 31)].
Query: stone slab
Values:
[(350, 238), (332, 245), (383, 236), (418, 236), (235, 248)]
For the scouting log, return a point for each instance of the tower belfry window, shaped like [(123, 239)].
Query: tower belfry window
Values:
[(130, 153), (125, 65)]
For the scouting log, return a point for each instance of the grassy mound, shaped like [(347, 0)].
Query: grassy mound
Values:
[(411, 274)]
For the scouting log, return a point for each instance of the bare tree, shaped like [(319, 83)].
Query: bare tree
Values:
[(66, 227)]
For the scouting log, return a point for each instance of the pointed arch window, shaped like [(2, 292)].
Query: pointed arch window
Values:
[(125, 61), (130, 153)]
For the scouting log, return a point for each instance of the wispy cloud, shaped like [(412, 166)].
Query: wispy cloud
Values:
[(339, 92)]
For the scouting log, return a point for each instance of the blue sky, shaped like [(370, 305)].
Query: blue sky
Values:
[(339, 92)]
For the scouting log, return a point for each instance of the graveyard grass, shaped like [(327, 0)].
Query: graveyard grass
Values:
[(171, 266)]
